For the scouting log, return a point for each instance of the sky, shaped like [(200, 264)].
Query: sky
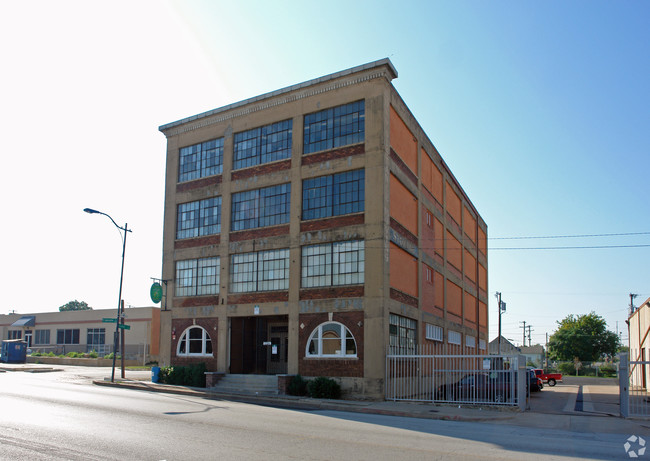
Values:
[(540, 109)]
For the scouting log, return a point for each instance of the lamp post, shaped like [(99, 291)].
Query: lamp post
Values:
[(119, 297)]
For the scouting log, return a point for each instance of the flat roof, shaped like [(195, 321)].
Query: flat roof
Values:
[(325, 78)]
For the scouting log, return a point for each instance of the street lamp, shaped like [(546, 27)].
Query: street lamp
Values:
[(119, 298)]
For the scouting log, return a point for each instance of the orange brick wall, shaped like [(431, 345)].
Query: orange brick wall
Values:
[(469, 225), (454, 299), (403, 142), (453, 204), (469, 266), (431, 176), (454, 251), (403, 271), (470, 308), (403, 206)]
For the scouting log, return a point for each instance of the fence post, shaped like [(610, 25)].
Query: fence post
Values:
[(522, 377), (624, 384)]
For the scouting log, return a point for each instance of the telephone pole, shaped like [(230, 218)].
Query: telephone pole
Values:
[(530, 343), (632, 296), (502, 308), (524, 327)]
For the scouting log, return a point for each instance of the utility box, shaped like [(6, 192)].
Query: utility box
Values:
[(14, 351)]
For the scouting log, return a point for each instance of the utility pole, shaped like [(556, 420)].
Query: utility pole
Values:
[(530, 343), (632, 296), (502, 308), (546, 354), (524, 327)]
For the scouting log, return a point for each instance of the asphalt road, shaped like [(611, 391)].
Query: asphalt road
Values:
[(63, 416)]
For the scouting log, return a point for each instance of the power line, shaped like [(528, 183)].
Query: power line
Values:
[(595, 247), (568, 236)]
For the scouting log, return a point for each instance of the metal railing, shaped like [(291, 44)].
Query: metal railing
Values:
[(634, 380), (422, 376)]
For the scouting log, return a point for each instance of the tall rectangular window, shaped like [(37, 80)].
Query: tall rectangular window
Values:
[(334, 127), (263, 145), (333, 264), (402, 335), (260, 207), (200, 160), (259, 271), (42, 337), (195, 219), (69, 336), (333, 195), (95, 339), (197, 277)]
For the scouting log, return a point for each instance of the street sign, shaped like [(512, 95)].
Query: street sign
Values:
[(105, 320), (124, 327)]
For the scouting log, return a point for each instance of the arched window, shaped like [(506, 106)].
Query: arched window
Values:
[(195, 341), (331, 339)]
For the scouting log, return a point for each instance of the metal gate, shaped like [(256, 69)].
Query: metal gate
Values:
[(421, 376), (633, 385)]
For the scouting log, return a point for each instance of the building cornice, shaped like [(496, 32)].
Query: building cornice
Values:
[(373, 70)]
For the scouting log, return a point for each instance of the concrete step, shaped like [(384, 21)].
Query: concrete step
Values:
[(248, 384)]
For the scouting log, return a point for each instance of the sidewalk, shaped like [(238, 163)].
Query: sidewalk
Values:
[(568, 421)]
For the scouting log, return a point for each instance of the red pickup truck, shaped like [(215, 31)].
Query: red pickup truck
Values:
[(550, 378)]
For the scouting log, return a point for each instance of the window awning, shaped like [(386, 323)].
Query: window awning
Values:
[(25, 321)]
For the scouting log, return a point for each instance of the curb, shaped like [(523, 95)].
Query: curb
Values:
[(301, 403)]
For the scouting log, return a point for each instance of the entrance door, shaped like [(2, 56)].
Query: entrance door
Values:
[(258, 345), (277, 352), (28, 338)]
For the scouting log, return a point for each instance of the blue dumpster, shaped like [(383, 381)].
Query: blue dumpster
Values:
[(155, 372), (14, 351)]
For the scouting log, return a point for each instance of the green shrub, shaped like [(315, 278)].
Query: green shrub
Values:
[(567, 368), (36, 354), (608, 371), (192, 375), (51, 354), (324, 388), (93, 354), (297, 386), (110, 356)]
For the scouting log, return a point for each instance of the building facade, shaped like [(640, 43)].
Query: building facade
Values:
[(308, 229), (84, 331), (639, 342)]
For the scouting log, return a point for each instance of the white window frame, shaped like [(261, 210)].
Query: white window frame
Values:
[(454, 337), (470, 341), (318, 335), (185, 338), (481, 344), (434, 332)]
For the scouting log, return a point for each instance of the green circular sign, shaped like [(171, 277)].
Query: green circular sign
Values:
[(156, 292)]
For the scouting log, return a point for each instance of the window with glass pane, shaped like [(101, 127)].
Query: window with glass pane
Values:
[(69, 336), (333, 264), (196, 277), (402, 334), (259, 271), (262, 145), (331, 339), (195, 341), (195, 219), (42, 337), (200, 160), (260, 207), (334, 127), (333, 195), (95, 337)]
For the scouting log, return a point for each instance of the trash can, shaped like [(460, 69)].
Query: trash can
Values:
[(14, 351), (155, 373)]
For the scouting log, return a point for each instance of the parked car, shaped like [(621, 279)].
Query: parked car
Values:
[(550, 378), (535, 384), (495, 386)]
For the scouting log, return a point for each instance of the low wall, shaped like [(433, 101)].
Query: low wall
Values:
[(82, 362)]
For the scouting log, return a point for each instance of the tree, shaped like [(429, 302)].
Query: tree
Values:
[(582, 337), (75, 306)]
